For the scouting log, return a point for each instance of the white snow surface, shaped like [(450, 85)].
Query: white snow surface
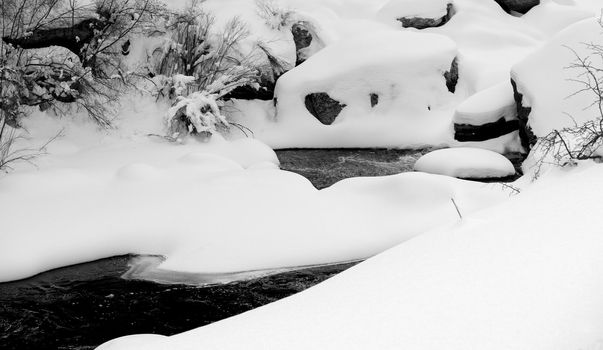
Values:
[(395, 9), (466, 163), (526, 274), (215, 207)]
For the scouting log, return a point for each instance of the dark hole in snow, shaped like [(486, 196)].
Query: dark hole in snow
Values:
[(323, 107), (374, 100)]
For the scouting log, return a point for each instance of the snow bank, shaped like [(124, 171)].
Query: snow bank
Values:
[(466, 163), (546, 83), (527, 274), (208, 214)]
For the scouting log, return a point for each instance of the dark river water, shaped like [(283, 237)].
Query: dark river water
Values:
[(83, 306)]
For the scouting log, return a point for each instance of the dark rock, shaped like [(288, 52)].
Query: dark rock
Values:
[(302, 38), (452, 76), (478, 133), (422, 23), (521, 6), (374, 100), (526, 135), (247, 92), (73, 38), (323, 107)]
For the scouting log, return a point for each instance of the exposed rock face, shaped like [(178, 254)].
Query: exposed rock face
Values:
[(323, 107), (452, 76), (422, 23), (528, 139), (521, 6), (478, 133), (303, 39)]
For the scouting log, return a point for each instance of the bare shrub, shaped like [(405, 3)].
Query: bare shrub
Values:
[(580, 141)]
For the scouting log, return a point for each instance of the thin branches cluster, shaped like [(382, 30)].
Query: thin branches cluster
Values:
[(567, 146), (64, 56)]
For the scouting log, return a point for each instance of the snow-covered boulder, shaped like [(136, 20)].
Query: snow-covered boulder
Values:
[(387, 74), (546, 89), (419, 14), (466, 163), (486, 115)]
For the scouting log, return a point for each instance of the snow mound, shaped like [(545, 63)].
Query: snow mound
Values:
[(467, 163), (551, 17), (522, 275), (556, 105), (487, 106), (208, 213)]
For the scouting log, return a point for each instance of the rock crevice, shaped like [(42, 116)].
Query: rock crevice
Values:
[(488, 131), (526, 135), (452, 76)]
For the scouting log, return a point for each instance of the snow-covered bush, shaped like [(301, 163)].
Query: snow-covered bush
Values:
[(197, 114), (203, 62)]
